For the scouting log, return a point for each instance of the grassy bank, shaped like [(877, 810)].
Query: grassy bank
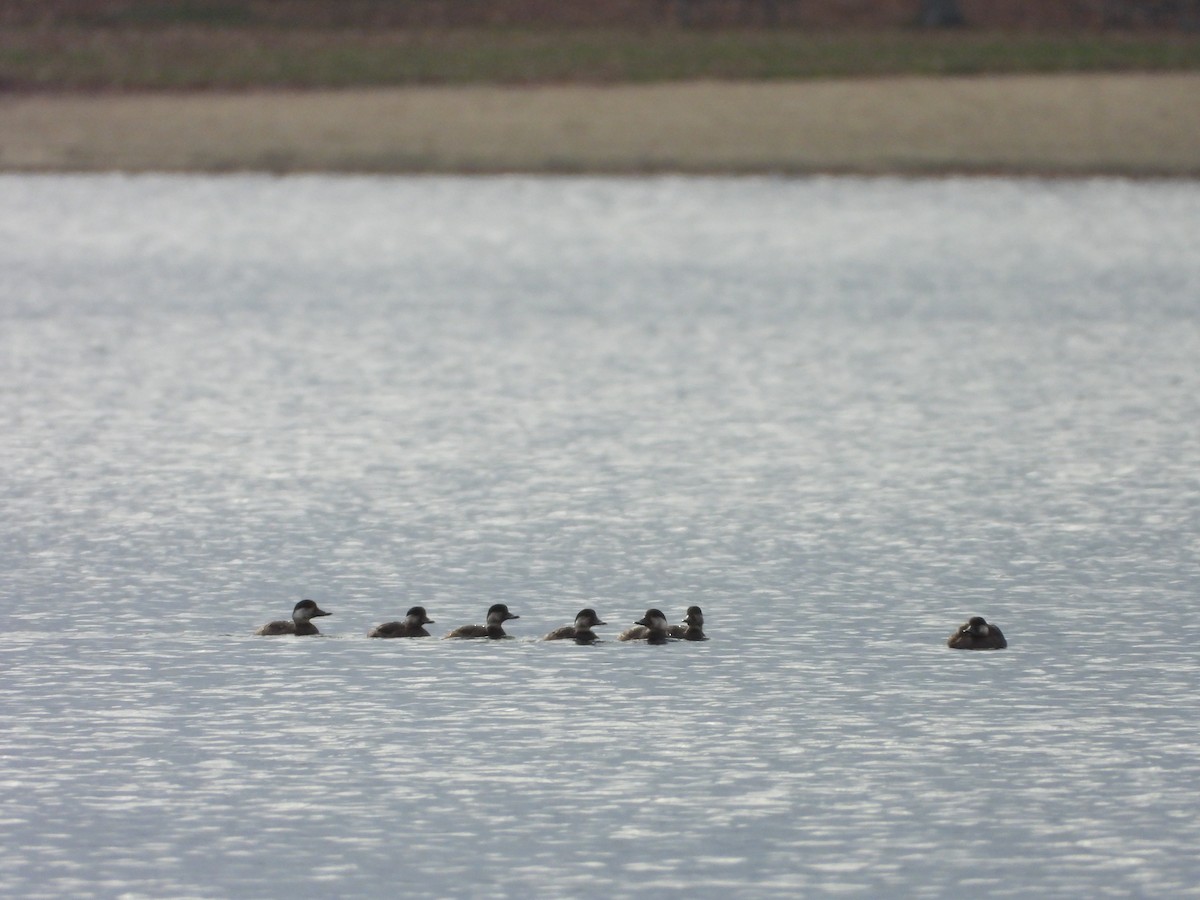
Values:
[(224, 57), (1135, 125)]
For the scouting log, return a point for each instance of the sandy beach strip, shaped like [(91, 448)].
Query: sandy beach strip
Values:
[(1094, 124)]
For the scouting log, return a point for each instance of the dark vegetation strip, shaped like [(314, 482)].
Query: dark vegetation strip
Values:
[(1061, 15), (243, 44)]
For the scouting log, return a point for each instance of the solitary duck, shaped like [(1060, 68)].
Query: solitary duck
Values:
[(977, 634), (497, 615), (581, 632), (651, 627), (692, 628), (413, 625), (300, 622)]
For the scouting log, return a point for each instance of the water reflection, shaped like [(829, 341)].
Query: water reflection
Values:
[(839, 415)]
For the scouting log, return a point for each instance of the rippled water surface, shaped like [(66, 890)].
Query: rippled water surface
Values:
[(840, 415)]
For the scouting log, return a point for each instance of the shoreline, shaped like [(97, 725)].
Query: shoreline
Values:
[(1131, 125)]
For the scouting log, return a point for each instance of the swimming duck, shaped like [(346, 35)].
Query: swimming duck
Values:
[(497, 615), (692, 628), (413, 625), (581, 632), (302, 612), (977, 634), (651, 627)]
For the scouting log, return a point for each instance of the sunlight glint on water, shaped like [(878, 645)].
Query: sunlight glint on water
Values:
[(840, 415)]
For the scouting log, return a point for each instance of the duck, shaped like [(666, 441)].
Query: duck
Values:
[(692, 628), (413, 625), (581, 631), (300, 622), (497, 615), (652, 627), (977, 634)]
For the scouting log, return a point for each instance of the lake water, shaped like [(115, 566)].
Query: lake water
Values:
[(841, 415)]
